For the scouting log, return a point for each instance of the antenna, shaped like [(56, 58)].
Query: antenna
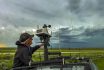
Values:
[(59, 39), (37, 26)]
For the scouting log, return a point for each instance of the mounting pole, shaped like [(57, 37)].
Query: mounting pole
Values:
[(45, 52)]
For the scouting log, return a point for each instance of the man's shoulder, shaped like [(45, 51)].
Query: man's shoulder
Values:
[(22, 48)]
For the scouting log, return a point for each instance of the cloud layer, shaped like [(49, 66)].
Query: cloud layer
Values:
[(79, 22)]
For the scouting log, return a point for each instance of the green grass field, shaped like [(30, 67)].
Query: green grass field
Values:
[(97, 56)]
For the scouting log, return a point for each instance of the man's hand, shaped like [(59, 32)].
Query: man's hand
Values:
[(41, 45)]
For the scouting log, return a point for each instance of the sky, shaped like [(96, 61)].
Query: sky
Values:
[(75, 23)]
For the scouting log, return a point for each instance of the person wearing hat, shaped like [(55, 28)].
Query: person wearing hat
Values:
[(24, 51)]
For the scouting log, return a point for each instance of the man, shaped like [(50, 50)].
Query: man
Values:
[(24, 51)]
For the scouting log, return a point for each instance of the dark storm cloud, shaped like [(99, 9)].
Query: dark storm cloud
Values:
[(88, 38), (93, 32), (86, 8), (66, 39)]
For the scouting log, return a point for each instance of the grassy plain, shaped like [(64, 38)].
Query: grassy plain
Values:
[(97, 55)]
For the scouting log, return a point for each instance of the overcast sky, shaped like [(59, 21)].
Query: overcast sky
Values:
[(80, 23)]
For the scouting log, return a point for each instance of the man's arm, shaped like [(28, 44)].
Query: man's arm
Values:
[(33, 49), (36, 47)]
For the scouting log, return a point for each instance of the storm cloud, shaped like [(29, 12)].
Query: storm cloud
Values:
[(80, 23)]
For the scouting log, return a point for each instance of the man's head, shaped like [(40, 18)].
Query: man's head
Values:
[(26, 38)]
